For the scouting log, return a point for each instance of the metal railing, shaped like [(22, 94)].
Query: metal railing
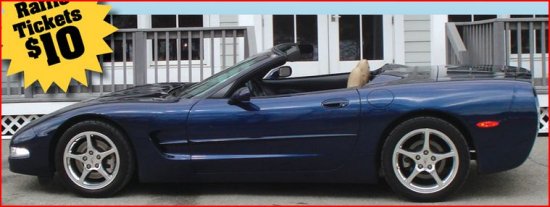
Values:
[(517, 42), (143, 56)]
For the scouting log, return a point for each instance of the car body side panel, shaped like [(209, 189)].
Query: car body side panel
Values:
[(143, 123), (509, 145), (281, 133), (157, 128), (468, 102)]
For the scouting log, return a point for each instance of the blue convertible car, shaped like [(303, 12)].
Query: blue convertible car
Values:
[(417, 127)]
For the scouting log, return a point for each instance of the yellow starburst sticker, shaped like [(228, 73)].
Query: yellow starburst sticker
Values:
[(54, 42)]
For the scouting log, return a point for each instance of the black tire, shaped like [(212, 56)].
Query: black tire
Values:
[(123, 156), (396, 165)]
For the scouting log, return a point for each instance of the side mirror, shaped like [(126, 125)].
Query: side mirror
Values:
[(280, 72), (285, 71), (241, 96)]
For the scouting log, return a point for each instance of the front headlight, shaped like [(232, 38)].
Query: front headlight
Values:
[(19, 152)]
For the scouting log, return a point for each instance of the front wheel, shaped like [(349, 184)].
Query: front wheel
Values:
[(425, 159), (94, 159)]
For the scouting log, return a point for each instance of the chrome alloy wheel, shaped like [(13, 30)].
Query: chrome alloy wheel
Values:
[(91, 160), (425, 160)]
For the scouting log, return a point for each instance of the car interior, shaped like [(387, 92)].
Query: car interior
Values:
[(277, 82)]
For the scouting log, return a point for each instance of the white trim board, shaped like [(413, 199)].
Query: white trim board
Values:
[(543, 100), (32, 108)]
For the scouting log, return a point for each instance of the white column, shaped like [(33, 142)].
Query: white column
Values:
[(399, 39), (438, 37)]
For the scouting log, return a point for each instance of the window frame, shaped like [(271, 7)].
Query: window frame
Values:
[(118, 64), (295, 32), (169, 61)]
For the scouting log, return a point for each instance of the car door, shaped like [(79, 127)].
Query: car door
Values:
[(300, 132)]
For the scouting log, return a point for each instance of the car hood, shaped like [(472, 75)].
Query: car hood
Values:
[(151, 93)]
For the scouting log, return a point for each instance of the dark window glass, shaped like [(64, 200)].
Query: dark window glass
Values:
[(184, 50), (521, 16), (525, 36), (525, 41), (349, 37), (460, 18), (538, 40), (484, 17), (169, 21), (373, 38), (163, 21), (468, 18), (161, 45), (118, 49), (190, 21), (194, 47), (283, 29), (121, 22), (125, 21), (306, 26)]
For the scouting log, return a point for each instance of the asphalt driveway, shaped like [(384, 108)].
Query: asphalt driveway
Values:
[(527, 184)]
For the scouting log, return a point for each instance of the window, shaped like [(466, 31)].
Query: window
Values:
[(470, 18), (121, 22), (525, 36), (361, 37), (513, 33), (176, 21), (297, 28)]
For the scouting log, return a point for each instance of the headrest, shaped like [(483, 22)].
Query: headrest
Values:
[(359, 76)]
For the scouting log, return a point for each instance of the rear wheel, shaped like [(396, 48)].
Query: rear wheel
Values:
[(425, 159), (94, 159)]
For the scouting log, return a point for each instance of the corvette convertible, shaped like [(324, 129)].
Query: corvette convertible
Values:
[(419, 128)]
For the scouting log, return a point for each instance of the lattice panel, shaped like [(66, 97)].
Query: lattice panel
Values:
[(12, 123), (543, 120)]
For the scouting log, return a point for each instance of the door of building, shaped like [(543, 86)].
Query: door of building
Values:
[(339, 41)]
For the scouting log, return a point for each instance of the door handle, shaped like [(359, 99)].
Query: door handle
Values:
[(336, 103)]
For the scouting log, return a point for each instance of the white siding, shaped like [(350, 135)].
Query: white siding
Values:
[(229, 20), (417, 39)]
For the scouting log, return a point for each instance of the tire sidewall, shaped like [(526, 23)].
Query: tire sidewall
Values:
[(126, 160), (433, 123)]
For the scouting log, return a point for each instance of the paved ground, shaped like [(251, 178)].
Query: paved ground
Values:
[(527, 184)]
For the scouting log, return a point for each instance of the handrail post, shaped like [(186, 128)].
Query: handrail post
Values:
[(29, 92), (140, 60), (249, 42), (499, 50)]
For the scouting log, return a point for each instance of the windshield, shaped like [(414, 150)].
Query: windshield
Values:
[(222, 76)]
